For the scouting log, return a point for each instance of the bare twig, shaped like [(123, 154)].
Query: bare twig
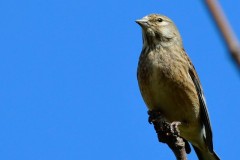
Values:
[(225, 29), (168, 133)]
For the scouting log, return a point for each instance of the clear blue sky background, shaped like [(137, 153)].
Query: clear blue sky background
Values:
[(68, 84)]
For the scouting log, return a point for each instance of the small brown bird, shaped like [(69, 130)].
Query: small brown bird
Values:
[(169, 83)]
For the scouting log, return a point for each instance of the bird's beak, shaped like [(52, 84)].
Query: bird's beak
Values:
[(142, 22)]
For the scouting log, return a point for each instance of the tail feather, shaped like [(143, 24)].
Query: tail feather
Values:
[(203, 155)]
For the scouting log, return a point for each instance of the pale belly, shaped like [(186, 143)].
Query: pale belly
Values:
[(166, 86), (176, 98), (176, 103)]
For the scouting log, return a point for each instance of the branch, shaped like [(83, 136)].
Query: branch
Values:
[(168, 133), (225, 29)]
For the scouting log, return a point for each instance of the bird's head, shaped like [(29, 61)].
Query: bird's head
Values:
[(159, 30)]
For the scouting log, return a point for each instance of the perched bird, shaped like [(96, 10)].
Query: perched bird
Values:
[(169, 83)]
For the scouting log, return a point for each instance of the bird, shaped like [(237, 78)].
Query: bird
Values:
[(169, 83)]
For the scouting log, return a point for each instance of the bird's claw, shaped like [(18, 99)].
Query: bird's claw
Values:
[(174, 128)]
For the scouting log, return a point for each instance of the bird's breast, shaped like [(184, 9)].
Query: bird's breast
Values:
[(166, 86)]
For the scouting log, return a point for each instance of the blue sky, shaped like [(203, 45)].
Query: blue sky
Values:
[(68, 82)]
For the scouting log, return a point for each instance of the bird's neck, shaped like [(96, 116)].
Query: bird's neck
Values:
[(158, 42)]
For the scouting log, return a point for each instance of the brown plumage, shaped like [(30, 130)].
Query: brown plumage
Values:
[(169, 83)]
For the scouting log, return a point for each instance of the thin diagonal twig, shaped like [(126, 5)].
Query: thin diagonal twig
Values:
[(225, 29)]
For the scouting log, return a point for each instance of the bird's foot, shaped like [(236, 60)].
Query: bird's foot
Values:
[(174, 128)]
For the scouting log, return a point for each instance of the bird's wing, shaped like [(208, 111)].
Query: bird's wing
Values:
[(203, 108)]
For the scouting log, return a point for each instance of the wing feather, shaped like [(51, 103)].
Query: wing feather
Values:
[(203, 109)]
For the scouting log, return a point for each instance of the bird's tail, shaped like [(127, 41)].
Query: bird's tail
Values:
[(203, 155)]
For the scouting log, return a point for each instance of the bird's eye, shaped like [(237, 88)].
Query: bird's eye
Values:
[(159, 19)]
